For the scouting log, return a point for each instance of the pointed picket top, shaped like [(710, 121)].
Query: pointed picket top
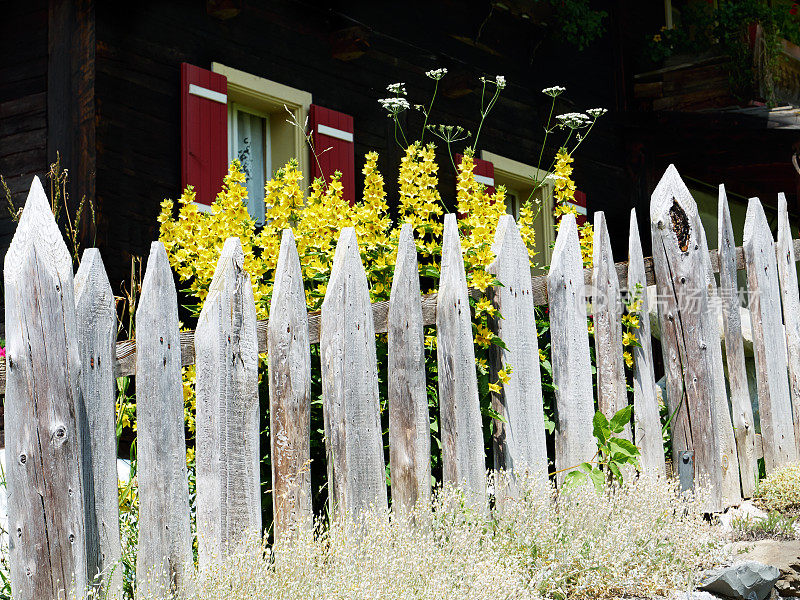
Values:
[(459, 405), (646, 418), (97, 332), (519, 439), (572, 369), (787, 270), (612, 392), (775, 411), (230, 266), (741, 405), (671, 189), (356, 468), (37, 227), (409, 422), (289, 393)]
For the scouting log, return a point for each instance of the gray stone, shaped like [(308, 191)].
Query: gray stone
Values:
[(746, 580)]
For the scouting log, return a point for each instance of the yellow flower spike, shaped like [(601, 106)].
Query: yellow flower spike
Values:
[(628, 359)]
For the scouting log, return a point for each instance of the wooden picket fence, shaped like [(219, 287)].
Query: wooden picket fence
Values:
[(62, 361)]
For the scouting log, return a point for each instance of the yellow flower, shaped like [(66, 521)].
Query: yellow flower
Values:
[(494, 388), (542, 356), (629, 339), (504, 375), (628, 359), (484, 306)]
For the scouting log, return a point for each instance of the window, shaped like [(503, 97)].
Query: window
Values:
[(518, 178), (259, 134)]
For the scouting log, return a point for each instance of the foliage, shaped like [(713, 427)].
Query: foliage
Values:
[(613, 454), (578, 23), (780, 491), (640, 539), (775, 526)]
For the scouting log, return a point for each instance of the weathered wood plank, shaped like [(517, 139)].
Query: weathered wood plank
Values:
[(164, 559), (227, 447), (686, 334), (459, 405), (97, 330), (46, 520), (742, 408), (409, 423), (569, 338), (519, 442), (612, 391), (790, 300), (289, 394), (647, 422), (356, 469), (775, 410)]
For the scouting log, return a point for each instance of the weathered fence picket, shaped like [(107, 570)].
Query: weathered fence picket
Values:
[(686, 334), (97, 333), (769, 347), (356, 468), (460, 423), (46, 521), (164, 556), (227, 423), (519, 440), (612, 390), (289, 394), (647, 423), (572, 367), (409, 422), (741, 406), (790, 300)]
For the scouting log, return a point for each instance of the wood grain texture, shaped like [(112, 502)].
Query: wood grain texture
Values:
[(43, 407), (459, 407), (569, 338), (519, 442), (97, 330), (227, 446), (686, 334), (741, 405), (790, 300), (612, 391), (775, 410), (289, 394), (164, 557), (356, 468), (646, 419), (409, 422)]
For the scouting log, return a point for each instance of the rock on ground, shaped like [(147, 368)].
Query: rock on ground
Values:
[(745, 580), (783, 555)]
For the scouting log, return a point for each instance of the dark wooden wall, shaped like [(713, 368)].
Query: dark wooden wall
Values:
[(140, 48)]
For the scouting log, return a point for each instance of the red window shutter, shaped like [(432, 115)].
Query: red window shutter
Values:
[(580, 205), (204, 131), (483, 171), (332, 132)]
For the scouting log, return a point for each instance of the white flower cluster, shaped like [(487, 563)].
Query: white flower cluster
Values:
[(394, 105), (554, 91), (436, 74), (397, 88), (499, 81), (596, 112), (573, 120)]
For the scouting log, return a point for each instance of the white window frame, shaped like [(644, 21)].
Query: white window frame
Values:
[(524, 174)]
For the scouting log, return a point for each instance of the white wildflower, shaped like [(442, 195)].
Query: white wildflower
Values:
[(500, 81), (573, 120), (394, 105), (554, 91), (397, 88), (596, 112), (436, 74)]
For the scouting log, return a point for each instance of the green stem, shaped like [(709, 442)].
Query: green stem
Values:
[(546, 133), (428, 112)]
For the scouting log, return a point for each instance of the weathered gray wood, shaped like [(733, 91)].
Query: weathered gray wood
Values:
[(679, 257), (97, 331), (459, 406), (289, 394), (787, 270), (569, 338), (612, 391), (164, 559), (742, 408), (227, 446), (46, 520), (356, 469), (775, 410), (646, 418), (519, 442), (409, 423)]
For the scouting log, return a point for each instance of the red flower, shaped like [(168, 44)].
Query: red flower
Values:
[(793, 10)]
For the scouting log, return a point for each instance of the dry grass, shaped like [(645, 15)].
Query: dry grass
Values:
[(780, 490), (642, 539)]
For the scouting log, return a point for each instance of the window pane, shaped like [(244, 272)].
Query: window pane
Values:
[(251, 152)]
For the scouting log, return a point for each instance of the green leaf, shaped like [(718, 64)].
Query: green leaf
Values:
[(574, 478), (430, 271), (598, 479), (586, 467), (624, 446), (498, 342), (615, 471), (600, 429), (622, 418)]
